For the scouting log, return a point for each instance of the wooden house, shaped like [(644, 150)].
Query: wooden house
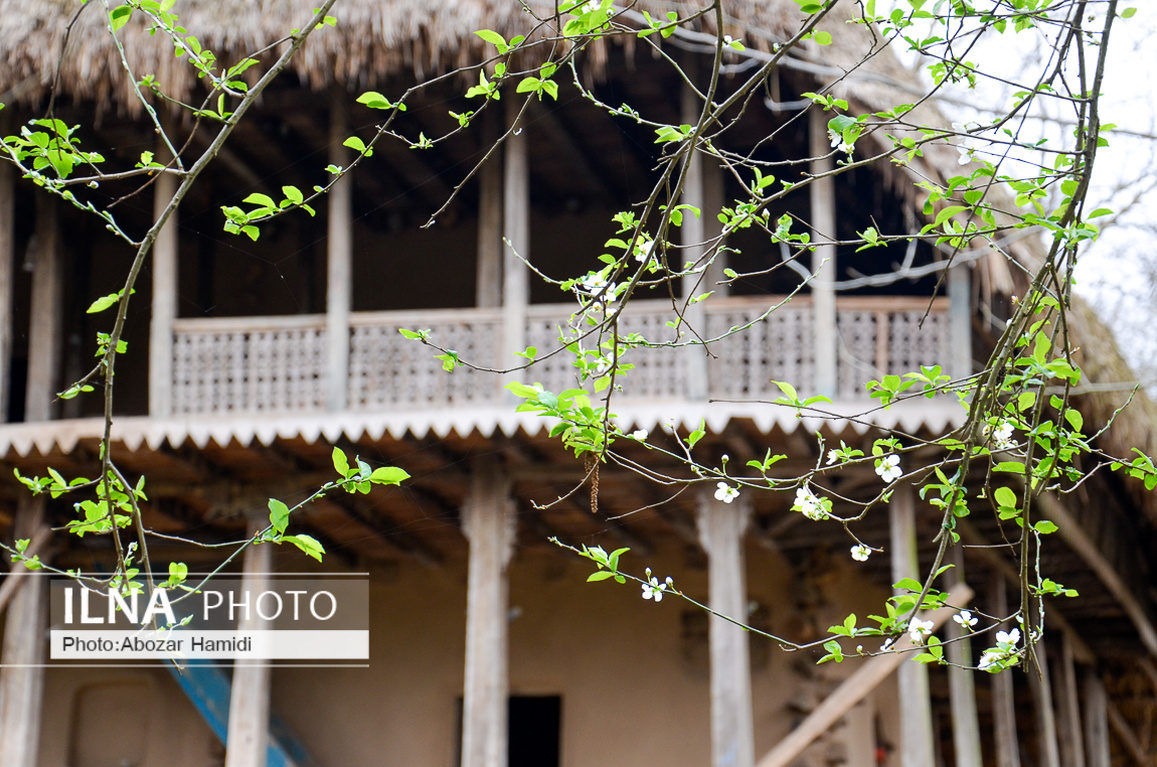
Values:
[(248, 361)]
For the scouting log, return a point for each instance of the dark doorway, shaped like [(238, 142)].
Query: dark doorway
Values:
[(533, 731)]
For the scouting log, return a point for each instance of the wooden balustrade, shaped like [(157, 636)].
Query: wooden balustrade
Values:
[(278, 364)]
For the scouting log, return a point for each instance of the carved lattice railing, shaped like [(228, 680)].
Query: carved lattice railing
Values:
[(278, 364)]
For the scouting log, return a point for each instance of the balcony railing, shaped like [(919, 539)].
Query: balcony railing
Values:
[(278, 364)]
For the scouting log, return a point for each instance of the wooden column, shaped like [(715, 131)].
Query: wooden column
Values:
[(44, 335), (1072, 745), (339, 264), (516, 230), (961, 684), (823, 215), (164, 309), (488, 281), (1003, 698), (248, 736), (692, 235), (1096, 734), (915, 708), (721, 528), (25, 640), (1040, 687), (7, 274), (960, 320), (489, 524)]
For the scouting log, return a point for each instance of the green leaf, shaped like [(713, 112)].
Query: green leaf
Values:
[(601, 575), (823, 38), (1044, 527), (1005, 497), (355, 143), (495, 39), (340, 462), (1075, 419), (1127, 13), (263, 200), (119, 16), (103, 302), (306, 543), (388, 475), (278, 515)]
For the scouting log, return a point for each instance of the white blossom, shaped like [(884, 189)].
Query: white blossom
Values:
[(833, 456), (1002, 436), (889, 468), (838, 142), (860, 552), (965, 619), (809, 504), (640, 434), (1009, 637), (643, 250), (725, 492), (919, 630), (652, 589)]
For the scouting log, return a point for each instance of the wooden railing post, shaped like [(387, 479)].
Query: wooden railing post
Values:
[(693, 234), (247, 742), (164, 308), (339, 266), (721, 529), (1096, 709), (823, 219), (516, 230), (915, 707), (489, 525), (21, 672)]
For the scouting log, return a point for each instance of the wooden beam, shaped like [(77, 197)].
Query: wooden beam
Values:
[(721, 529), (914, 704), (856, 687), (164, 309), (44, 335), (489, 524), (1040, 686), (339, 264), (1083, 545), (1072, 745), (7, 273), (488, 279), (21, 662), (1096, 710), (962, 683), (960, 320), (1126, 736), (823, 219), (516, 230), (1003, 699), (248, 735), (693, 234)]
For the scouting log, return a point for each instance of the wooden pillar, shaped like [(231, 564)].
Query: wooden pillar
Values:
[(339, 264), (488, 281), (489, 524), (25, 639), (44, 335), (823, 214), (164, 308), (7, 274), (1003, 697), (1072, 745), (915, 708), (721, 528), (692, 235), (961, 684), (1096, 734), (247, 741), (1040, 687), (960, 320), (516, 230)]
